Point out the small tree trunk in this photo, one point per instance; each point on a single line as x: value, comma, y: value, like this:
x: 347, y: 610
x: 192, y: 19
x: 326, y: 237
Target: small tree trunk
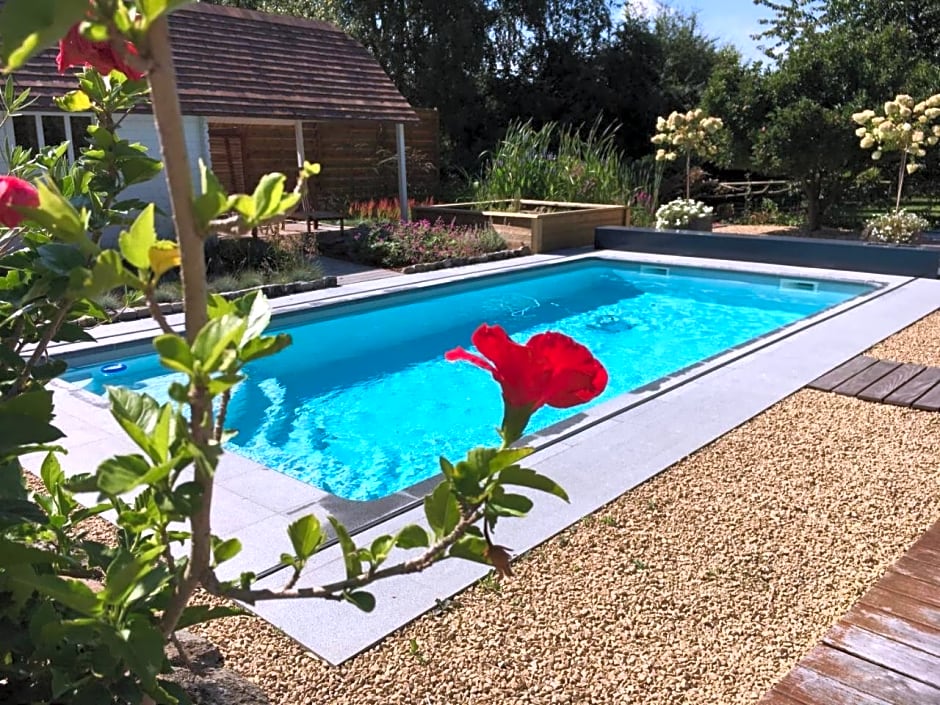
x: 813, y: 206
x: 688, y: 174
x: 897, y: 201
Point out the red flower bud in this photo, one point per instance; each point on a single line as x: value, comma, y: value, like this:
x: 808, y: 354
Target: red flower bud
x: 15, y: 193
x: 550, y: 369
x: 76, y: 50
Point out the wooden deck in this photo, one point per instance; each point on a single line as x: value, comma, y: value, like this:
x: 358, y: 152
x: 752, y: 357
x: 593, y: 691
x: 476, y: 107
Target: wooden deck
x: 877, y: 380
x: 886, y: 650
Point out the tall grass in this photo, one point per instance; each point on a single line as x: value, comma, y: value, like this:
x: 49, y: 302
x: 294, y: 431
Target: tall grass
x: 564, y: 163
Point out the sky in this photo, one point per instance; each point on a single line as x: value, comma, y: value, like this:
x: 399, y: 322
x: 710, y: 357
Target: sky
x: 728, y: 21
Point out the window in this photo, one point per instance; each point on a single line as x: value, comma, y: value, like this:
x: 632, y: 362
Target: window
x: 38, y: 131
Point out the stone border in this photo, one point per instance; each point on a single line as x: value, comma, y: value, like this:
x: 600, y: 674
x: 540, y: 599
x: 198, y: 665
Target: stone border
x: 463, y: 261
x: 272, y: 291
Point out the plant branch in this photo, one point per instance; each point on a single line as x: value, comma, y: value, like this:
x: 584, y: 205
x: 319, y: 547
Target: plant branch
x: 220, y: 417
x: 897, y: 203
x: 169, y: 123
x: 40, y: 350
x: 333, y: 591
x: 155, y: 311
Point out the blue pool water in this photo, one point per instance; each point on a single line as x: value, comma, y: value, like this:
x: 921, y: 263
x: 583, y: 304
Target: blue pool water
x: 363, y: 402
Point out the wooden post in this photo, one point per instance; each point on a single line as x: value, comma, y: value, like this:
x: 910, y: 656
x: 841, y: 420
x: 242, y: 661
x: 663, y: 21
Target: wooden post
x: 299, y: 143
x: 402, y: 171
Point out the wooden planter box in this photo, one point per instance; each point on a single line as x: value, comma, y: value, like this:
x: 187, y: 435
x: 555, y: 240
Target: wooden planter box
x: 542, y: 226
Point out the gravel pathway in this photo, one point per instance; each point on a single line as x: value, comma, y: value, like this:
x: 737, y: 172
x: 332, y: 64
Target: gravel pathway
x: 705, y: 585
x: 918, y: 344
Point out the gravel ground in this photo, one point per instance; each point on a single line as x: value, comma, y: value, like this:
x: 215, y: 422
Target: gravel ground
x: 705, y: 585
x: 918, y: 344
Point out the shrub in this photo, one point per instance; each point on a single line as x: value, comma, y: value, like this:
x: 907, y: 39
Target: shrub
x: 679, y: 213
x: 402, y: 244
x: 897, y: 226
x: 382, y: 209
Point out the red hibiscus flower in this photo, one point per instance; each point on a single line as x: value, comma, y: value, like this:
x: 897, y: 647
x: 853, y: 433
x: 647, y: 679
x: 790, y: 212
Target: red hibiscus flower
x: 551, y: 369
x: 15, y: 193
x: 76, y: 50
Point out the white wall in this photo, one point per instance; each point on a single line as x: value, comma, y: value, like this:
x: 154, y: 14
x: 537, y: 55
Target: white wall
x: 140, y: 128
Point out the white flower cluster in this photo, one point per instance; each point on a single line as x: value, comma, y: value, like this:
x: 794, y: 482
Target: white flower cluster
x: 678, y: 213
x: 693, y: 132
x: 906, y: 126
x: 897, y: 226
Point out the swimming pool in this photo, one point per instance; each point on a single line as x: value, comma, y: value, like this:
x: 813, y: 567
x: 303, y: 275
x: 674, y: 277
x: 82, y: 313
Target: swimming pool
x: 362, y: 403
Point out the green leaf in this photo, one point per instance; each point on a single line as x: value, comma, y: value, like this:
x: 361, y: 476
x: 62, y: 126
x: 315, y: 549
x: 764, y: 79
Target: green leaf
x: 258, y: 348
x: 51, y: 473
x: 259, y: 315
x: 213, y: 200
x: 74, y: 594
x: 24, y: 421
x: 19, y: 511
x: 363, y: 600
x: 122, y: 473
x: 442, y: 510
x: 226, y: 550
x: 508, y: 456
x: 515, y: 505
x: 412, y: 536
x: 136, y: 242
x: 144, y: 653
x: 108, y: 273
x: 31, y: 25
x: 137, y: 415
x: 197, y: 614
x: 267, y: 195
x: 471, y: 548
x: 61, y: 258
x: 74, y: 102
x: 381, y: 548
x: 306, y: 536
x: 215, y: 337
x: 515, y: 475
x: 174, y: 352
x: 60, y: 218
x: 245, y: 207
x: 126, y: 571
x: 350, y: 553
x: 13, y: 553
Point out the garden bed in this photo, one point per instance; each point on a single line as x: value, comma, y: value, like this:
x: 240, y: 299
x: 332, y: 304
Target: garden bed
x: 543, y: 226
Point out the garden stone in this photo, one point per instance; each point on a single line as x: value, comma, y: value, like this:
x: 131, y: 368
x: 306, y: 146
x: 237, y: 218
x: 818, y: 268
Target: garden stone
x: 218, y: 686
x: 199, y: 651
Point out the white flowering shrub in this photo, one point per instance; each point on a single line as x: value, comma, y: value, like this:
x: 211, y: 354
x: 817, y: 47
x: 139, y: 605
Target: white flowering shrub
x: 686, y: 134
x: 679, y: 213
x: 899, y: 227
x: 907, y: 126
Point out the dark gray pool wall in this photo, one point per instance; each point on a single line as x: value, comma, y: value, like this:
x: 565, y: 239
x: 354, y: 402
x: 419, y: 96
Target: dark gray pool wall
x: 798, y: 251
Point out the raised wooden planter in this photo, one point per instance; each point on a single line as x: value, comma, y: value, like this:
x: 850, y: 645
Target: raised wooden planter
x: 542, y: 226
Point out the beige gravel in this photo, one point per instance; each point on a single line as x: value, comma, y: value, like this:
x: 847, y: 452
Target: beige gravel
x: 705, y: 585
x: 918, y: 344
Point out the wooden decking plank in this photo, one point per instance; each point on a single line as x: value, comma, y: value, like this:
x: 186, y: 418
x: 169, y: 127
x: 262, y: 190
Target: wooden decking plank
x: 928, y: 572
x: 913, y: 634
x: 807, y: 686
x: 929, y: 401
x: 918, y: 590
x: 902, y: 606
x: 775, y: 697
x: 866, y: 377
x: 890, y: 382
x: 916, y: 387
x: 833, y: 378
x: 882, y: 651
x: 925, y: 553
x: 868, y: 678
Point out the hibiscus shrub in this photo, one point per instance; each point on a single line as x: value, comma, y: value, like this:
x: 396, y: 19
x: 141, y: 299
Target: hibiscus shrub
x: 85, y: 623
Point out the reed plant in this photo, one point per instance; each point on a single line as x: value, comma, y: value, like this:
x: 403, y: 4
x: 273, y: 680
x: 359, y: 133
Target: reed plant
x: 563, y: 163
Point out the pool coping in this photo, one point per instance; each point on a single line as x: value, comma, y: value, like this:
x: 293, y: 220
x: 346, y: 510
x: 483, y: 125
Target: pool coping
x: 257, y: 504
